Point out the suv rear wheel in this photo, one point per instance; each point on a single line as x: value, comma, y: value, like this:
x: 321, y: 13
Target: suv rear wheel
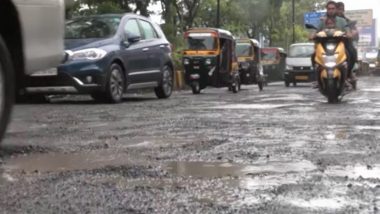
x: 166, y: 87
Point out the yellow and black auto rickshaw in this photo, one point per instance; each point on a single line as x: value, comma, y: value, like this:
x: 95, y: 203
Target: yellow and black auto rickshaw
x: 273, y: 60
x: 210, y: 59
x: 249, y: 58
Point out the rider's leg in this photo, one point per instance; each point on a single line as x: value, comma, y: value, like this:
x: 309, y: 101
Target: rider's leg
x: 352, y: 57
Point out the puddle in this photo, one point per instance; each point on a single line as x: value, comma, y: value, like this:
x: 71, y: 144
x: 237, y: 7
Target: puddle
x: 285, y: 97
x: 141, y: 144
x: 361, y: 101
x: 212, y: 170
x: 266, y: 182
x: 297, y: 144
x: 354, y: 172
x: 153, y: 142
x: 2, y: 179
x: 368, y: 127
x: 20, y: 127
x: 371, y: 90
x: 330, y: 136
x: 66, y: 162
x: 318, y: 203
x: 252, y: 106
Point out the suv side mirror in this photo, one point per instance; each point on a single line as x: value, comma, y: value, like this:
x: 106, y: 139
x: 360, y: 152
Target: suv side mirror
x: 130, y: 38
x: 133, y: 38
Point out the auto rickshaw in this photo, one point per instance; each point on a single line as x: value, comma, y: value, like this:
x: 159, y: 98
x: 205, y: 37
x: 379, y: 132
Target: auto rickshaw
x: 210, y: 59
x: 273, y: 61
x: 249, y: 57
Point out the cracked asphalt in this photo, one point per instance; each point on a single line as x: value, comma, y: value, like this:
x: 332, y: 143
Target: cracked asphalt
x: 282, y: 150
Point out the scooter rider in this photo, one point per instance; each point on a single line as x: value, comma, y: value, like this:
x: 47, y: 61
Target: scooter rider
x: 355, y: 37
x: 332, y: 18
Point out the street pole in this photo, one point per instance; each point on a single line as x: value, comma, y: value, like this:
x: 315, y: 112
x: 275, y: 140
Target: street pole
x: 218, y: 14
x: 293, y: 22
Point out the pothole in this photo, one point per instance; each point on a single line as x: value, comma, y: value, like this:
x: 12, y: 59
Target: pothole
x: 211, y: 170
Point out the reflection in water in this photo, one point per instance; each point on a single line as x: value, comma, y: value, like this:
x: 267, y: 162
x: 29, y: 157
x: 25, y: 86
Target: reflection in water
x: 370, y: 89
x: 368, y: 127
x: 2, y: 179
x: 252, y: 106
x: 318, y: 203
x: 366, y: 172
x: 211, y: 170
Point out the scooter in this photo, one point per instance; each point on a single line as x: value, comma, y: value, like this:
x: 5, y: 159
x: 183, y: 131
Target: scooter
x: 331, y: 64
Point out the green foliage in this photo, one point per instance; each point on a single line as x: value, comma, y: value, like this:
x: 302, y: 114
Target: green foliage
x: 245, y: 18
x: 108, y: 7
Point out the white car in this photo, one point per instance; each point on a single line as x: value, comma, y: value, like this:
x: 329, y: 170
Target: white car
x: 298, y: 64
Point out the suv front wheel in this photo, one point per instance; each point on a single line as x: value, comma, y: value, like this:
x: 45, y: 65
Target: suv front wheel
x: 115, y: 86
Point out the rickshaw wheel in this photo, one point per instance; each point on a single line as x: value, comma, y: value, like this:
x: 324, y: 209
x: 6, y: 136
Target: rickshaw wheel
x: 196, y: 88
x: 235, y: 85
x: 261, y: 85
x: 235, y: 88
x: 287, y: 83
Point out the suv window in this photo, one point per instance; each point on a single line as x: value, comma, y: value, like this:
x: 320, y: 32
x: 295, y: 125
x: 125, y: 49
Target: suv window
x: 132, y: 27
x: 148, y: 30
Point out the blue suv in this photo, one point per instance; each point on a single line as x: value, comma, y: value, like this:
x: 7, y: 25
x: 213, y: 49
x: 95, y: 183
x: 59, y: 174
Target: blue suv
x: 108, y: 55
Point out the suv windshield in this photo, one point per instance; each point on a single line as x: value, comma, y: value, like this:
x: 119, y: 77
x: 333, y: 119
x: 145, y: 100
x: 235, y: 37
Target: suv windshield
x: 92, y: 27
x: 243, y: 49
x: 201, y: 41
x: 301, y: 51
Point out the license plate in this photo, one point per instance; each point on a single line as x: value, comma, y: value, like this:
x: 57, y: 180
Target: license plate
x: 48, y: 72
x: 196, y: 67
x: 301, y: 77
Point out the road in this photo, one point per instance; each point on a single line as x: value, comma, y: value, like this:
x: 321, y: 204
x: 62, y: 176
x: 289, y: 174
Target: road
x: 282, y: 150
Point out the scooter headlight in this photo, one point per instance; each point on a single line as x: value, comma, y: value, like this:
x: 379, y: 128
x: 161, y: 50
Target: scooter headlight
x: 330, y: 61
x: 330, y: 46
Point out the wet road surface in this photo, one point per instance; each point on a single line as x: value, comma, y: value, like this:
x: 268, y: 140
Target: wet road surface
x: 282, y: 150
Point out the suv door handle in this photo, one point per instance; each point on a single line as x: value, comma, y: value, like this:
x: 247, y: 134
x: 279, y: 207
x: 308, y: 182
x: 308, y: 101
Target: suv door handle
x: 162, y: 46
x: 145, y: 49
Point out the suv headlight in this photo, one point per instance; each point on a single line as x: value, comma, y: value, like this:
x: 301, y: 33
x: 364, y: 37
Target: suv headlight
x: 88, y: 54
x: 288, y: 67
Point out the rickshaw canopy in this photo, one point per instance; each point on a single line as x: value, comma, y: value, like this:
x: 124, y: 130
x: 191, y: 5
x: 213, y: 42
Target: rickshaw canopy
x: 220, y: 33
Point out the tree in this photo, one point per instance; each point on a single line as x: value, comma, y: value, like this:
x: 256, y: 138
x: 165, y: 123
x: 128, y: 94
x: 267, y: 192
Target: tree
x: 245, y: 18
